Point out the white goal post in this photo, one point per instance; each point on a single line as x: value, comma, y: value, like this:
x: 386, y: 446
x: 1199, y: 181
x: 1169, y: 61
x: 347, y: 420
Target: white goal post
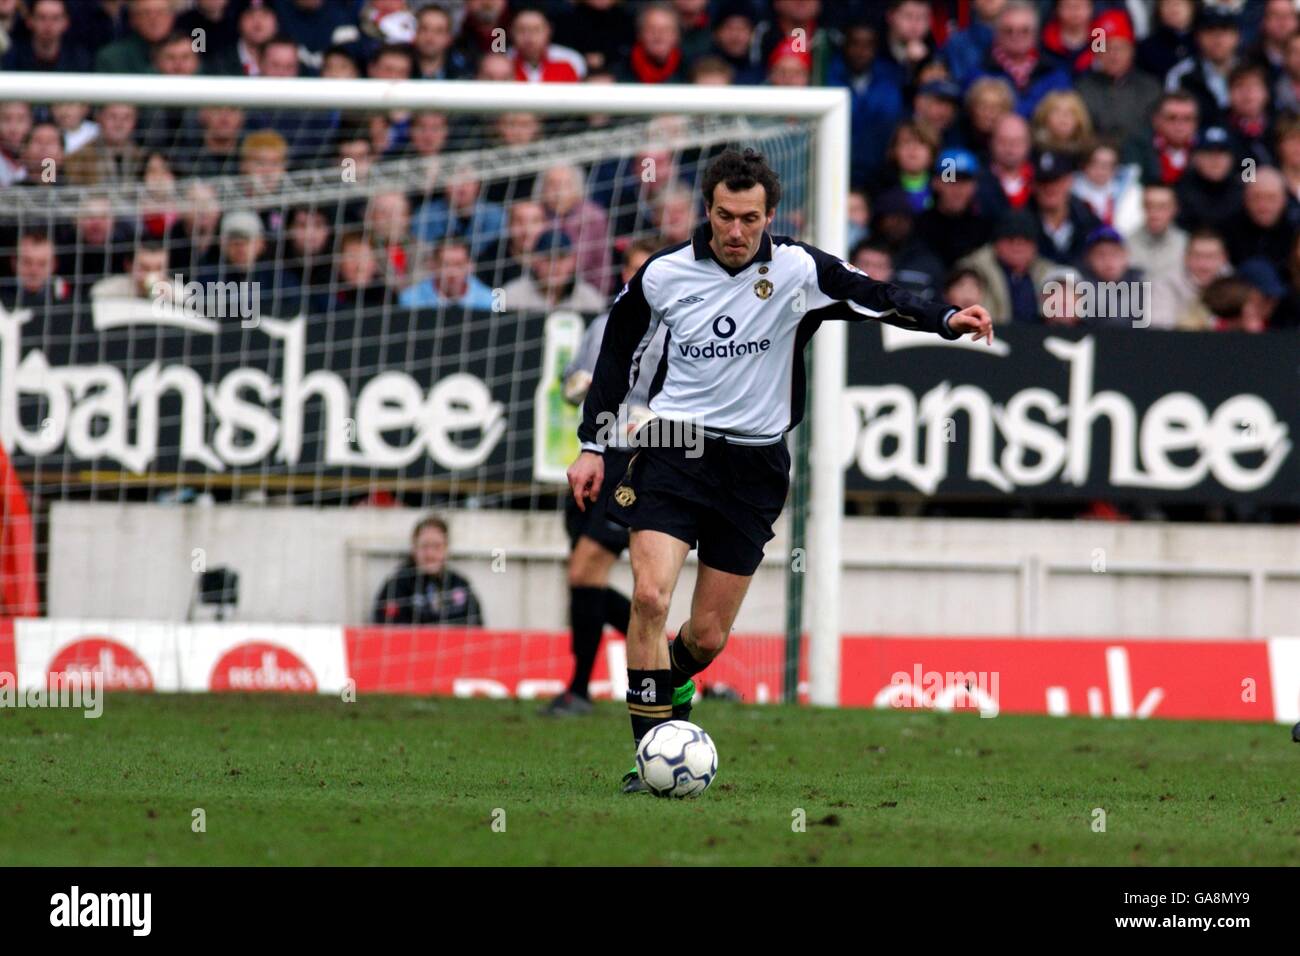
x: 827, y: 110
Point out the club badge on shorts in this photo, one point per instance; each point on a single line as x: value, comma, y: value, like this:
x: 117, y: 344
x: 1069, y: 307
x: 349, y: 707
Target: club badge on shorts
x: 624, y: 496
x: 763, y: 289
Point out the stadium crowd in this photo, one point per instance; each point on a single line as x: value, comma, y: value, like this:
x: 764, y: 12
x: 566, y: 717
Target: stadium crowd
x: 997, y: 145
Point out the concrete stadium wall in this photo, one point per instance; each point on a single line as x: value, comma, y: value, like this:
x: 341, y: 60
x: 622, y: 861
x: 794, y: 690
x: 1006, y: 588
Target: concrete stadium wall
x: 903, y: 575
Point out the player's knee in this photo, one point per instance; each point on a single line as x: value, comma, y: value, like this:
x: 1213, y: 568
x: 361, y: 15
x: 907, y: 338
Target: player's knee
x: 708, y: 638
x: 650, y: 602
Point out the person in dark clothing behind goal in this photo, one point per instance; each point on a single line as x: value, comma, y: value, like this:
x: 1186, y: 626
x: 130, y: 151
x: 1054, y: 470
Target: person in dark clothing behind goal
x: 595, y: 542
x: 424, y: 590
x: 739, y: 306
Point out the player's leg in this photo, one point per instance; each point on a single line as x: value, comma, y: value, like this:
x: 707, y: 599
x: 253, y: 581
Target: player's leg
x: 657, y: 560
x: 714, y: 606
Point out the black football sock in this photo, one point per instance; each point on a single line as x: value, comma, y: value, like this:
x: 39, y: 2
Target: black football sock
x: 618, y: 610
x: 587, y: 620
x: 682, y: 662
x: 649, y: 700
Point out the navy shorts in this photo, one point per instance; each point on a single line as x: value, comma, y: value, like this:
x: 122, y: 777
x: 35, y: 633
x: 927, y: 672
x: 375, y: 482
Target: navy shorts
x: 595, y: 522
x: 722, y: 502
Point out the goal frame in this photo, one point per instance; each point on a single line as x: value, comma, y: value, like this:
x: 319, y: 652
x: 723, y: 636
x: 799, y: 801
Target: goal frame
x: 827, y: 109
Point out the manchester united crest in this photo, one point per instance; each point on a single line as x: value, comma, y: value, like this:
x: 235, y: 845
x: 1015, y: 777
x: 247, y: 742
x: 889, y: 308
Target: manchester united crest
x: 763, y: 289
x: 624, y: 496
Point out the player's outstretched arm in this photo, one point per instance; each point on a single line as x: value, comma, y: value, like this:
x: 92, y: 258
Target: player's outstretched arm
x: 974, y: 319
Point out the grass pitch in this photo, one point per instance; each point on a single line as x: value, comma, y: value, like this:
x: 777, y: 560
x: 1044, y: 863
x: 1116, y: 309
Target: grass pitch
x: 291, y: 780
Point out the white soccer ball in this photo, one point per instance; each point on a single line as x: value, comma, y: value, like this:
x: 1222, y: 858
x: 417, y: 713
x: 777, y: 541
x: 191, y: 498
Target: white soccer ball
x: 677, y: 759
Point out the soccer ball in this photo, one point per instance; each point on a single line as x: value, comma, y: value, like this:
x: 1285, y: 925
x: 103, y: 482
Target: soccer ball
x: 677, y: 759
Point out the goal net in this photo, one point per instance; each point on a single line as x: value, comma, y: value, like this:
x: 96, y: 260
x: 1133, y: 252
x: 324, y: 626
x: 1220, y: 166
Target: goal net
x: 245, y: 349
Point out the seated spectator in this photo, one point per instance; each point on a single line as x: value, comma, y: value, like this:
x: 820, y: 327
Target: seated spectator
x: 193, y: 236
x: 551, y: 281
x: 92, y: 242
x: 307, y: 132
x: 963, y: 288
x: 15, y: 125
x: 495, y: 68
x: 1227, y: 303
x: 875, y: 99
x: 916, y: 268
x: 160, y: 127
x: 536, y: 58
x: 217, y: 153
x: 1064, y: 220
x: 1266, y: 293
x: 1164, y: 155
x: 787, y: 17
x: 1204, y: 74
x: 1158, y: 247
x: 1287, y: 146
x: 562, y: 192
x: 1287, y: 315
x: 388, y: 224
x: 1248, y: 118
x: 1210, y: 192
x: 435, y: 59
x: 46, y: 46
x: 427, y: 134
x: 151, y: 22
x: 733, y: 41
x: 358, y: 282
x: 258, y: 24
x: 1067, y: 36
x: 1014, y: 57
x: 460, y: 213
x: 1177, y: 298
x: 508, y: 257
x: 43, y: 156
x: 452, y: 281
x: 908, y: 164
x: 987, y: 101
x: 114, y: 156
x: 308, y: 253
x: 1105, y: 260
x: 673, y: 216
x: 314, y: 25
x: 217, y: 19
x: 1119, y: 97
x: 873, y: 257
x: 1109, y: 190
x: 79, y: 133
x: 859, y: 216
x: 953, y: 227
x: 656, y: 55
x: 600, y: 31
x: 1170, y: 40
x: 693, y: 22
x: 789, y: 65
x: 1007, y: 183
x: 243, y: 243
x: 33, y: 282
x: 146, y: 277
x: 338, y: 63
x: 1264, y: 227
x: 1011, y: 269
x: 936, y: 110
x: 1061, y: 124
x: 424, y: 590
x: 1279, y: 22
x: 1286, y: 89
x: 709, y: 71
x: 907, y: 44
x: 483, y: 24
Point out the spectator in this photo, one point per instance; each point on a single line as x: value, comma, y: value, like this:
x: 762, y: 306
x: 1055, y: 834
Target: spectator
x: 308, y: 253
x: 656, y: 55
x: 1178, y: 297
x: 1064, y: 220
x: 74, y: 122
x: 963, y: 288
x: 1067, y: 36
x: 674, y: 214
x: 1111, y: 191
x: 46, y: 46
x: 452, y: 281
x: 935, y: 110
x: 1105, y: 260
x: 358, y: 282
x: 1263, y: 227
x: 160, y: 127
x: 1011, y: 269
x: 733, y: 41
x: 1286, y: 138
x: 859, y: 216
x: 966, y: 50
x: 1266, y: 292
x: 258, y: 25
x: 34, y: 282
x: 602, y: 31
x: 1164, y: 156
x: 1061, y: 124
x: 508, y: 257
x: 91, y: 243
x: 787, y: 17
x: 1226, y: 302
x: 43, y: 156
x: 1211, y: 191
x: 217, y: 154
x: 428, y: 134
x: 1205, y: 74
x: 551, y: 281
x: 916, y: 268
x: 693, y: 22
x: 1119, y: 97
x: 910, y: 159
x: 434, y: 57
x: 1287, y: 315
x: 388, y: 226
x: 495, y: 68
x: 116, y: 156
x: 146, y: 277
x: 15, y: 126
x: 536, y: 58
x: 875, y: 98
x: 243, y: 244
x: 96, y: 25
x: 1170, y: 41
x: 874, y: 258
x: 1286, y: 88
x: 952, y: 227
x: 314, y: 24
x: 987, y: 101
x: 337, y: 63
x: 1014, y: 57
x: 1008, y: 181
x: 1158, y: 247
x: 1278, y: 26
x: 707, y: 71
x: 263, y: 162
x: 151, y: 22
x: 562, y: 192
x: 461, y: 213
x: 424, y: 591
x: 193, y: 237
x: 907, y: 41
x: 1058, y: 300
x: 1248, y: 117
x: 217, y: 21
x: 479, y: 29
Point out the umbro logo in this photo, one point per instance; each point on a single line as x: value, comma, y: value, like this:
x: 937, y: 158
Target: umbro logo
x: 690, y: 300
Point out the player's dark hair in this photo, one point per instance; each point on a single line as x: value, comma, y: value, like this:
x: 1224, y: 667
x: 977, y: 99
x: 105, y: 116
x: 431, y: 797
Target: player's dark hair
x: 739, y: 171
x: 433, y: 521
x: 647, y: 244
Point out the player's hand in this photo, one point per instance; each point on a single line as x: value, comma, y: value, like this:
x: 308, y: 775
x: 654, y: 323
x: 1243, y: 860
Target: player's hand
x: 974, y: 319
x: 586, y: 475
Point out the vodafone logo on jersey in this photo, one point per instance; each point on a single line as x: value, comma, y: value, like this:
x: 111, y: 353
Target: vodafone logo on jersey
x: 258, y: 666
x: 118, y: 666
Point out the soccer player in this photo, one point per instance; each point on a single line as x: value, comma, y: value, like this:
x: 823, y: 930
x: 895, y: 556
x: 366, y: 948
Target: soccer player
x: 739, y: 305
x: 595, y: 542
